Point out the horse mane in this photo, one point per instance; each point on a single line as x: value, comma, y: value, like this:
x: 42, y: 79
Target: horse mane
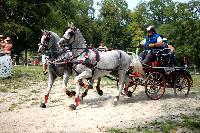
x: 54, y: 42
x: 78, y: 43
x: 54, y: 37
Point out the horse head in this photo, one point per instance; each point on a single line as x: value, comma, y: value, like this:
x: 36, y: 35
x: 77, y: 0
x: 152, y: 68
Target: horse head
x: 73, y: 39
x: 44, y: 43
x: 48, y: 42
x: 68, y: 37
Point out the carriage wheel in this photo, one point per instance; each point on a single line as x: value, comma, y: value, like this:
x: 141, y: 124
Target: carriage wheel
x: 182, y: 86
x: 130, y: 87
x: 155, y: 85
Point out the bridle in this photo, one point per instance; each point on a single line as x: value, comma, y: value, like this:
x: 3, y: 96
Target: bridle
x: 66, y: 41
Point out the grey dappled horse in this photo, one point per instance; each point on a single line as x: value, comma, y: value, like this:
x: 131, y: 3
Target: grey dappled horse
x: 115, y: 62
x: 56, y: 62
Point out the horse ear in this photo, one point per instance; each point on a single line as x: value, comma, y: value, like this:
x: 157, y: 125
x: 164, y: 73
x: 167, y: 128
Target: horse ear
x: 68, y: 24
x: 72, y: 25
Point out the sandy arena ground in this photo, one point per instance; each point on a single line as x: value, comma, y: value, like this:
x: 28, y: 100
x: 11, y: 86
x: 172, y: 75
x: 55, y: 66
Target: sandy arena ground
x: 20, y: 111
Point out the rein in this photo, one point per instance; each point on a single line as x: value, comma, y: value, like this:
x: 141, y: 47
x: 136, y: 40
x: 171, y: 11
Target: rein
x: 80, y: 61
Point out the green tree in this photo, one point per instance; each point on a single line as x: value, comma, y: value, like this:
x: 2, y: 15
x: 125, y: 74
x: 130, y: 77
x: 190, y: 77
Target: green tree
x: 22, y: 20
x: 114, y: 15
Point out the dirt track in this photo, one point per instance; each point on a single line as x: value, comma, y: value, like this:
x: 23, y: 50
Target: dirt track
x: 20, y: 111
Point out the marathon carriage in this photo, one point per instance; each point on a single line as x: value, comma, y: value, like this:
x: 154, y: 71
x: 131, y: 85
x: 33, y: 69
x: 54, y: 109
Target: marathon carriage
x: 159, y: 75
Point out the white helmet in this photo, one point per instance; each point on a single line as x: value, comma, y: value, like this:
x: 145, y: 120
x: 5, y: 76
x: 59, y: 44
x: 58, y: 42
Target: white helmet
x: 151, y: 28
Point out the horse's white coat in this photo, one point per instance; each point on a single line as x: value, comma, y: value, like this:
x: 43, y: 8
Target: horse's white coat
x: 55, y: 69
x: 115, y: 60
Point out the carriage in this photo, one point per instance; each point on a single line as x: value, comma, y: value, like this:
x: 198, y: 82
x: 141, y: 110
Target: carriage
x: 159, y: 75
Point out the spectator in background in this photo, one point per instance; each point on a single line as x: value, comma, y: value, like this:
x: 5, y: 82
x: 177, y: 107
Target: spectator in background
x: 102, y: 47
x: 5, y: 58
x: 186, y: 61
x: 7, y: 46
x: 44, y: 64
x: 1, y: 43
x: 171, y: 53
x: 91, y: 46
x: 1, y: 39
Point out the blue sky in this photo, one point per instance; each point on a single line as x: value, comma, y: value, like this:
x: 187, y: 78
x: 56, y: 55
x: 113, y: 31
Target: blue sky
x: 131, y: 4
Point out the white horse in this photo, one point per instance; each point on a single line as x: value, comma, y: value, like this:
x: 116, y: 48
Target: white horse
x: 57, y: 65
x: 115, y: 62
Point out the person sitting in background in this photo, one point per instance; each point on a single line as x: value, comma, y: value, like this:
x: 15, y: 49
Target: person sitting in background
x: 1, y: 39
x: 102, y: 47
x: 171, y: 53
x: 186, y: 61
x: 7, y: 46
x: 91, y: 46
x: 1, y: 42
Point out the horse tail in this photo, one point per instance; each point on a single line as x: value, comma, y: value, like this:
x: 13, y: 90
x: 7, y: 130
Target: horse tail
x: 136, y: 64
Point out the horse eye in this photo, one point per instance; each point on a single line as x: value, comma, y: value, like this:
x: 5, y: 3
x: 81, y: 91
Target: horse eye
x: 71, y: 33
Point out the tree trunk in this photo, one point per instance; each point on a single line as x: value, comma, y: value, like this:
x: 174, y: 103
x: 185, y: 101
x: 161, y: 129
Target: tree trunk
x: 25, y: 57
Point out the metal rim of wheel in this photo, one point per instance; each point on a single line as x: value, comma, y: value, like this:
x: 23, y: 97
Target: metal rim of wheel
x: 155, y: 85
x: 182, y: 86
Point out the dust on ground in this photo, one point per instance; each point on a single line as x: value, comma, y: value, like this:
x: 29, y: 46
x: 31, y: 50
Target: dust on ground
x: 20, y: 111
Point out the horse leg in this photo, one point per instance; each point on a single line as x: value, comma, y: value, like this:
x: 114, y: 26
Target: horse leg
x: 65, y: 82
x: 86, y: 86
x: 100, y: 92
x: 83, y: 75
x: 48, y: 90
x: 126, y: 86
x: 122, y: 77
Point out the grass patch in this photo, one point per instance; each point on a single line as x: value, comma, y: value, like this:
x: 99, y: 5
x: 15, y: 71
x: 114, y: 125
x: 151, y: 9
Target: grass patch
x: 115, y: 130
x: 196, y: 83
x: 184, y: 124
x: 35, y: 103
x: 3, y: 89
x: 191, y: 122
x: 12, y: 107
x: 34, y: 91
x: 187, y: 123
x: 21, y: 78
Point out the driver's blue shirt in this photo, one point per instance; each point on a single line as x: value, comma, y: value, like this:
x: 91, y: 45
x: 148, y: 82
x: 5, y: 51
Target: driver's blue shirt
x: 153, y: 39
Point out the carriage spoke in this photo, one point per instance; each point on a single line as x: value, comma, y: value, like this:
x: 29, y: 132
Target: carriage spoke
x: 155, y: 85
x: 182, y: 86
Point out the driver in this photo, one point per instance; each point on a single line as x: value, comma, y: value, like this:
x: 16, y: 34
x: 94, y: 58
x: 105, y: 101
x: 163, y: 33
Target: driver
x: 153, y: 41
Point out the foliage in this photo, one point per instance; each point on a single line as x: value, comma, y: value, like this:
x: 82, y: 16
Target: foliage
x: 116, y: 25
x: 115, y: 18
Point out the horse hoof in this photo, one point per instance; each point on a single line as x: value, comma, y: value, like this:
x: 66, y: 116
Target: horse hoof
x: 43, y: 105
x: 100, y: 92
x: 129, y: 94
x: 72, y: 107
x: 114, y: 103
x: 73, y: 93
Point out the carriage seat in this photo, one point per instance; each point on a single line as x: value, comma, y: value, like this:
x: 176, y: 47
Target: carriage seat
x: 163, y: 56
